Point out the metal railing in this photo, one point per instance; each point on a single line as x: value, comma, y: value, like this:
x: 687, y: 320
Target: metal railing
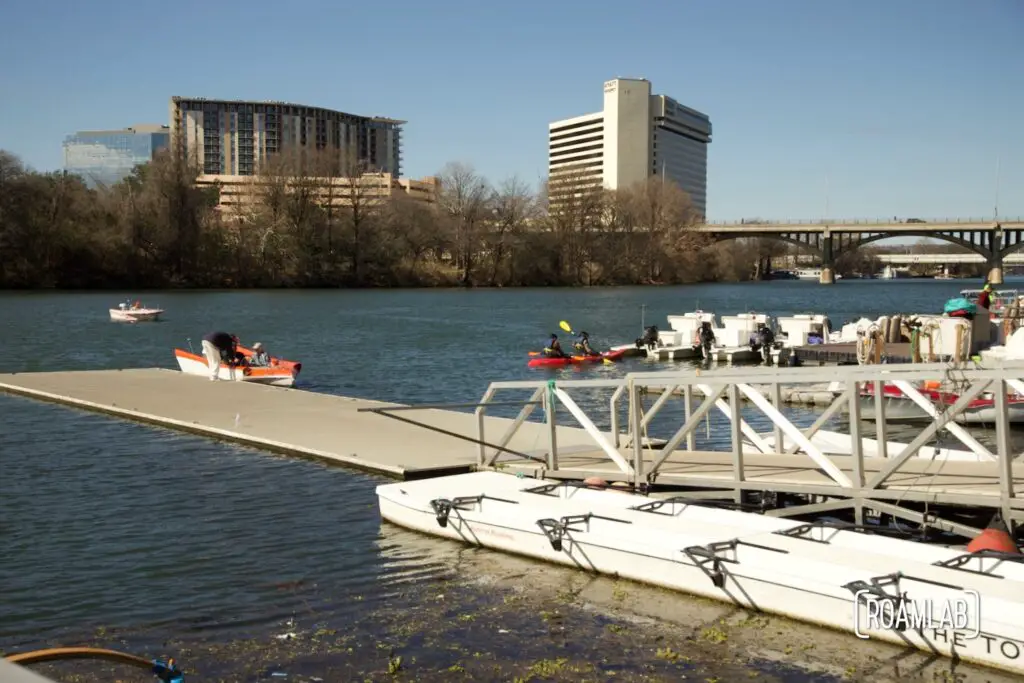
x: 855, y: 480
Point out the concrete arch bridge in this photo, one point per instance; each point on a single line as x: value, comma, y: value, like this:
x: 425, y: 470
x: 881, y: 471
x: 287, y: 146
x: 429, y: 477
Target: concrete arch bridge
x: 993, y: 239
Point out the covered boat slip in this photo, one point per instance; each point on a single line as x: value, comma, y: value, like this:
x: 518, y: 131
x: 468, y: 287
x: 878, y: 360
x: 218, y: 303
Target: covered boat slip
x: 887, y: 481
x: 755, y: 562
x: 289, y: 421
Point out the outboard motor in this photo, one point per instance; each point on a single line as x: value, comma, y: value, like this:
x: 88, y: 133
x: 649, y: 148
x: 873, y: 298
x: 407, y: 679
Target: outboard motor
x: 649, y: 338
x: 766, y: 340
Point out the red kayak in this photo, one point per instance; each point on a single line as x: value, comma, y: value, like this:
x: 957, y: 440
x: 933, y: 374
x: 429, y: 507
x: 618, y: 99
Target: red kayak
x: 546, y: 362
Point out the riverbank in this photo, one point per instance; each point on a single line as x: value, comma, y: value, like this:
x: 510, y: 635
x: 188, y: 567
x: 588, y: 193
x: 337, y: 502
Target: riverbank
x: 480, y: 621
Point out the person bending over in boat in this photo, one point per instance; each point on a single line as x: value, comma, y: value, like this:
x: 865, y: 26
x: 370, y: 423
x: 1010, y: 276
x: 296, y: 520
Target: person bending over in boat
x: 583, y: 345
x: 260, y: 357
x: 217, y: 347
x: 554, y: 349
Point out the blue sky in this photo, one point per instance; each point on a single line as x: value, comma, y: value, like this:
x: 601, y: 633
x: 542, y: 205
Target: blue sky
x: 896, y: 107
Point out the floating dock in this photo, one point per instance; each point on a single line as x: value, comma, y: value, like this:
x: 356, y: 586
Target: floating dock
x: 289, y: 421
x: 845, y: 353
x: 414, y: 442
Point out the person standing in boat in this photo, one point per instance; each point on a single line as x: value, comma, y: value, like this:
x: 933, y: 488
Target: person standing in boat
x: 554, y: 348
x: 985, y: 298
x: 705, y: 339
x: 218, y: 346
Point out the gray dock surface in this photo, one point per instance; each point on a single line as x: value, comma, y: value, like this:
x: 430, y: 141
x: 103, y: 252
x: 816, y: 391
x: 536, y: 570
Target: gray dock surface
x: 288, y: 421
x: 920, y: 480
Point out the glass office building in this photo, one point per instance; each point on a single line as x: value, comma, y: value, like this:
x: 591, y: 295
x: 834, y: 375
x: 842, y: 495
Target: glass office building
x: 104, y: 157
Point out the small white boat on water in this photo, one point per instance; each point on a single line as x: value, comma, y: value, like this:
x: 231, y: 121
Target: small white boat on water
x: 128, y: 312
x: 279, y: 373
x: 803, y: 329
x: 812, y: 274
x: 884, y: 588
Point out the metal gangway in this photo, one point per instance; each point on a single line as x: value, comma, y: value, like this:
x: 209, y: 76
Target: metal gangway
x: 905, y: 480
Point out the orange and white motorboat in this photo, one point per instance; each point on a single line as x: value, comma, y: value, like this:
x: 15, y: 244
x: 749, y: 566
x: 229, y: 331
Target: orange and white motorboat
x: 281, y: 373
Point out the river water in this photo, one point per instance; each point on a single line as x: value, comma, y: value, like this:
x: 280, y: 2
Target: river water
x: 249, y: 566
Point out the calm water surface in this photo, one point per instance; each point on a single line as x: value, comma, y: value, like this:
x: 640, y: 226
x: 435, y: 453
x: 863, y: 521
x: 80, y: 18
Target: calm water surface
x: 106, y: 524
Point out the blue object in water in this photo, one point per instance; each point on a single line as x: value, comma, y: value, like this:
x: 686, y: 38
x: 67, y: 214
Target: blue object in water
x: 960, y: 304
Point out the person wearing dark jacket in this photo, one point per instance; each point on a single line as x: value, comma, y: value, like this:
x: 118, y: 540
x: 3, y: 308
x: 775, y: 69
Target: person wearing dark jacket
x: 218, y: 346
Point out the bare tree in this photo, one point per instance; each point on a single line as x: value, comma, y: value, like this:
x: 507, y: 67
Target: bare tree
x: 577, y: 206
x: 513, y: 208
x: 661, y: 217
x: 464, y: 198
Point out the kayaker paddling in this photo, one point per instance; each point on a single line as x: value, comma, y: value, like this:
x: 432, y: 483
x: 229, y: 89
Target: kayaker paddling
x: 583, y: 345
x: 554, y: 348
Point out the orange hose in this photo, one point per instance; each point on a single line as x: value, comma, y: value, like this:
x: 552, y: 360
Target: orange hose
x: 55, y: 653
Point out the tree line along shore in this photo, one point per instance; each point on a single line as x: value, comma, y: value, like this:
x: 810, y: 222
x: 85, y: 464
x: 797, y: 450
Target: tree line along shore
x: 298, y: 227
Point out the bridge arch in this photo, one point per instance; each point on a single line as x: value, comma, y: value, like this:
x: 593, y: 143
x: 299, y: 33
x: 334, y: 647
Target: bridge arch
x: 857, y: 244
x: 813, y: 246
x: 1012, y: 249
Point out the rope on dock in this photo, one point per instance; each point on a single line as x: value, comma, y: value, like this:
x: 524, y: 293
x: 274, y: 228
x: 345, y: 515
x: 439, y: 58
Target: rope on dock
x: 871, y: 344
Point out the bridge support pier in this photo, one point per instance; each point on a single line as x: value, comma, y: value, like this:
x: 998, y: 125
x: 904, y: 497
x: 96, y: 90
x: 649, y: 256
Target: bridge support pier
x: 995, y: 274
x: 995, y: 249
x: 828, y: 276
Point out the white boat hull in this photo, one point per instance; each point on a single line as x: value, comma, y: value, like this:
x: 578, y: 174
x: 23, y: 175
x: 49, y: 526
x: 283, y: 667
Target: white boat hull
x: 797, y: 577
x: 199, y: 368
x: 837, y: 443
x: 136, y: 315
x: 902, y: 409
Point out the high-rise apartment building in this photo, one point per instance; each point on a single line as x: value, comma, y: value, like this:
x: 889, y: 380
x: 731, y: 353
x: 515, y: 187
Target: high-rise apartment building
x: 637, y: 135
x: 229, y: 137
x: 104, y: 157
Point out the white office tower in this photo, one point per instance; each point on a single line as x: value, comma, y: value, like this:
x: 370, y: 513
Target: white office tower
x: 637, y: 135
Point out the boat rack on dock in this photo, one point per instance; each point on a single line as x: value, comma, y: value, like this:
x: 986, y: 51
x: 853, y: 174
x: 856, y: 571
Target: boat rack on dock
x: 916, y: 482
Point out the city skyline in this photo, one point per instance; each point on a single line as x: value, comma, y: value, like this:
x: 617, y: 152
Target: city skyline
x: 852, y: 110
